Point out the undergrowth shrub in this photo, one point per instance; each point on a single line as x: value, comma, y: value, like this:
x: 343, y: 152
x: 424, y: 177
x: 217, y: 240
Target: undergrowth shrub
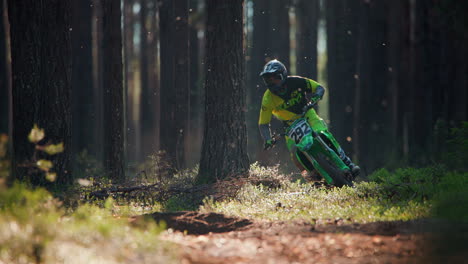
x: 447, y: 190
x: 445, y: 184
x: 155, y: 169
x: 457, y: 148
x: 366, y: 202
x: 299, y: 201
x: 451, y: 198
x: 267, y: 176
x: 27, y: 220
x: 409, y: 183
x: 36, y: 228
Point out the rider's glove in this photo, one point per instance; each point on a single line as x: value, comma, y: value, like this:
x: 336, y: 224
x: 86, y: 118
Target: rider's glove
x: 269, y: 144
x: 316, y: 96
x: 313, y: 97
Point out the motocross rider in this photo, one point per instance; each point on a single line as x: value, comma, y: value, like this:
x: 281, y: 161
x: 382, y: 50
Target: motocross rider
x: 286, y: 98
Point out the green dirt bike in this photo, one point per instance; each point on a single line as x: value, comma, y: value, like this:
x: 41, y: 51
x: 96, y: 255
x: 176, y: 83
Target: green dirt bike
x: 316, y: 151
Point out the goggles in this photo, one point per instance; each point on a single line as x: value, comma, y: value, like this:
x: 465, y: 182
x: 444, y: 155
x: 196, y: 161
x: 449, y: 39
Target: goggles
x: 271, y: 79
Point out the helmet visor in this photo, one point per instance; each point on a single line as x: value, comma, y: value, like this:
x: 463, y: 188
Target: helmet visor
x: 271, y: 79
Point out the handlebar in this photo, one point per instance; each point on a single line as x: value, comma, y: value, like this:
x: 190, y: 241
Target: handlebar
x: 307, y: 107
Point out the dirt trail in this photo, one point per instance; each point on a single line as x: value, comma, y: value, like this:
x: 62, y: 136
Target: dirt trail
x: 215, y: 238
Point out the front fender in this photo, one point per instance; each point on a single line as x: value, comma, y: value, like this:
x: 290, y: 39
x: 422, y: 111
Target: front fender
x: 306, y: 143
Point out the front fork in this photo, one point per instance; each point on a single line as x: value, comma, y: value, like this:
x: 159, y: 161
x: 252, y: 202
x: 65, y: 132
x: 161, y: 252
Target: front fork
x: 330, y: 154
x: 335, y: 156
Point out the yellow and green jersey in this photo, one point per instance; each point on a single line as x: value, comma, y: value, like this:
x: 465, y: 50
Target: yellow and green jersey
x: 288, y: 105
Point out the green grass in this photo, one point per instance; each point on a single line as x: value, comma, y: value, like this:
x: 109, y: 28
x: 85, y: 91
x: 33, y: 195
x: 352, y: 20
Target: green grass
x: 404, y: 194
x: 35, y: 228
x: 298, y: 201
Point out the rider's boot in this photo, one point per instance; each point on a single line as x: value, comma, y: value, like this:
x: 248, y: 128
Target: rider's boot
x: 355, y: 170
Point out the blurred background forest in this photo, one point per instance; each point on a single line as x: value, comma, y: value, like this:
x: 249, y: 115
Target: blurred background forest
x: 396, y: 74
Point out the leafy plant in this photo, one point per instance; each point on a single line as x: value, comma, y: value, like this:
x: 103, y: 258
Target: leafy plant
x: 36, y: 136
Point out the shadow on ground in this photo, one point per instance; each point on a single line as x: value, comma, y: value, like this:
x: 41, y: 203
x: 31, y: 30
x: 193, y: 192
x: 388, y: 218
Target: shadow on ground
x: 216, y: 238
x: 194, y: 223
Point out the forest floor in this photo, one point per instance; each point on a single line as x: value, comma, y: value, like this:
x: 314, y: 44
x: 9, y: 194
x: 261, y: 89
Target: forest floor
x: 267, y: 217
x: 216, y: 238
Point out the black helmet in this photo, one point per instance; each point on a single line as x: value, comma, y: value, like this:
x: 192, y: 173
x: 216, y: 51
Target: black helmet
x: 276, y: 68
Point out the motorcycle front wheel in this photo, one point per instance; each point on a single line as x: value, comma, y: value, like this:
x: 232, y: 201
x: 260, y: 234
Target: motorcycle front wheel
x: 340, y: 178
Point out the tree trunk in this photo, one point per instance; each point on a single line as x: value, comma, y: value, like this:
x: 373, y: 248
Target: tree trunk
x: 279, y: 45
x: 362, y: 84
x: 224, y: 150
x: 307, y: 13
x: 270, y: 41
x: 168, y: 97
x: 132, y: 105
x: 4, y: 75
x: 98, y: 98
x: 182, y: 80
x: 196, y: 83
x: 82, y: 79
x: 153, y: 76
x: 398, y: 18
x: 114, y: 157
x: 416, y: 35
x: 455, y: 39
x: 41, y: 68
x: 175, y: 92
x: 376, y: 107
x: 342, y: 29
x: 278, y: 29
x: 148, y: 90
x: 145, y: 122
x: 421, y: 82
x: 449, y: 41
x: 255, y: 85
